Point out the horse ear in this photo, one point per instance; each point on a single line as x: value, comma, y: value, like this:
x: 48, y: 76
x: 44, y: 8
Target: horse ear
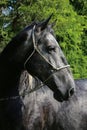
x: 50, y: 26
x: 53, y: 24
x: 42, y: 25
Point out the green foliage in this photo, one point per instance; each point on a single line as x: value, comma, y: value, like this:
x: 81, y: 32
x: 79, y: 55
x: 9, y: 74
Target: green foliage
x: 80, y: 6
x: 71, y: 26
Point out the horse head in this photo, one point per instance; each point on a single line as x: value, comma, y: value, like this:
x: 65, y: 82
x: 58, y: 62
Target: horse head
x: 48, y: 63
x: 36, y: 50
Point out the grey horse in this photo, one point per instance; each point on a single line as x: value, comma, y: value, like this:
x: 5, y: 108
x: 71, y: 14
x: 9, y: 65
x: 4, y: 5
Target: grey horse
x: 36, y: 50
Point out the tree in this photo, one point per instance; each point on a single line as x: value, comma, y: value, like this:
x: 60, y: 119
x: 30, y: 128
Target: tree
x: 71, y: 26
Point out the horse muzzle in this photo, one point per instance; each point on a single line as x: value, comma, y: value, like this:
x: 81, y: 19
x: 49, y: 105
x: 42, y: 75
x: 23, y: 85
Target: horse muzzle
x: 59, y: 96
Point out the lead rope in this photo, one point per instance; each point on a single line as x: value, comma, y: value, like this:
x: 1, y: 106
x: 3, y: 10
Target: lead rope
x: 30, y: 91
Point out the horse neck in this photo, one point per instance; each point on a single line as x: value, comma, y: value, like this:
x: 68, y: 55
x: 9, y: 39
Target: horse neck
x: 11, y: 65
x: 9, y: 79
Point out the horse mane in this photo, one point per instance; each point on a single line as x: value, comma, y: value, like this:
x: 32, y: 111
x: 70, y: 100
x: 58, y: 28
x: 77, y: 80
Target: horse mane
x: 16, y: 40
x: 28, y: 83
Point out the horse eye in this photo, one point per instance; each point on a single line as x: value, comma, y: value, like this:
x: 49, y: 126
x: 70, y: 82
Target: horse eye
x: 51, y: 48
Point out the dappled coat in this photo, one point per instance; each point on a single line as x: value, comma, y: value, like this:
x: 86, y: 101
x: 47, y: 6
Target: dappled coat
x: 45, y: 113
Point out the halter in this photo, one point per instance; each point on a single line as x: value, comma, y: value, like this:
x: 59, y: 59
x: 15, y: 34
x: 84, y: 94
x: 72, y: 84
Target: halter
x: 30, y: 56
x: 36, y: 49
x: 53, y: 67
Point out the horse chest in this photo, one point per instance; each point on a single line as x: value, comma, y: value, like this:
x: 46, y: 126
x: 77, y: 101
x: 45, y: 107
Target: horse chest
x: 11, y: 115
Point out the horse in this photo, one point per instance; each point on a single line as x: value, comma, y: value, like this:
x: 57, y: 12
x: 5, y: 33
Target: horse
x: 45, y: 113
x: 36, y: 50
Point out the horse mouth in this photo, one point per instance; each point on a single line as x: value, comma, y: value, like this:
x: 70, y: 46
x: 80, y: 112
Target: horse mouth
x: 59, y: 97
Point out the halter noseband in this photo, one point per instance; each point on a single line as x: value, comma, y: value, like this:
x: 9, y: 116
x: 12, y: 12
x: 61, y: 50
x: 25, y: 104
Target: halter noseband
x: 36, y: 49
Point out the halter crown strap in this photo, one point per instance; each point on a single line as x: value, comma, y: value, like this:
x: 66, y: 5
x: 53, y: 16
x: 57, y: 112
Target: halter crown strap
x: 33, y: 50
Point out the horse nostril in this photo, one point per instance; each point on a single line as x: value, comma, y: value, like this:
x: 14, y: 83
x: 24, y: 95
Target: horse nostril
x: 71, y: 92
